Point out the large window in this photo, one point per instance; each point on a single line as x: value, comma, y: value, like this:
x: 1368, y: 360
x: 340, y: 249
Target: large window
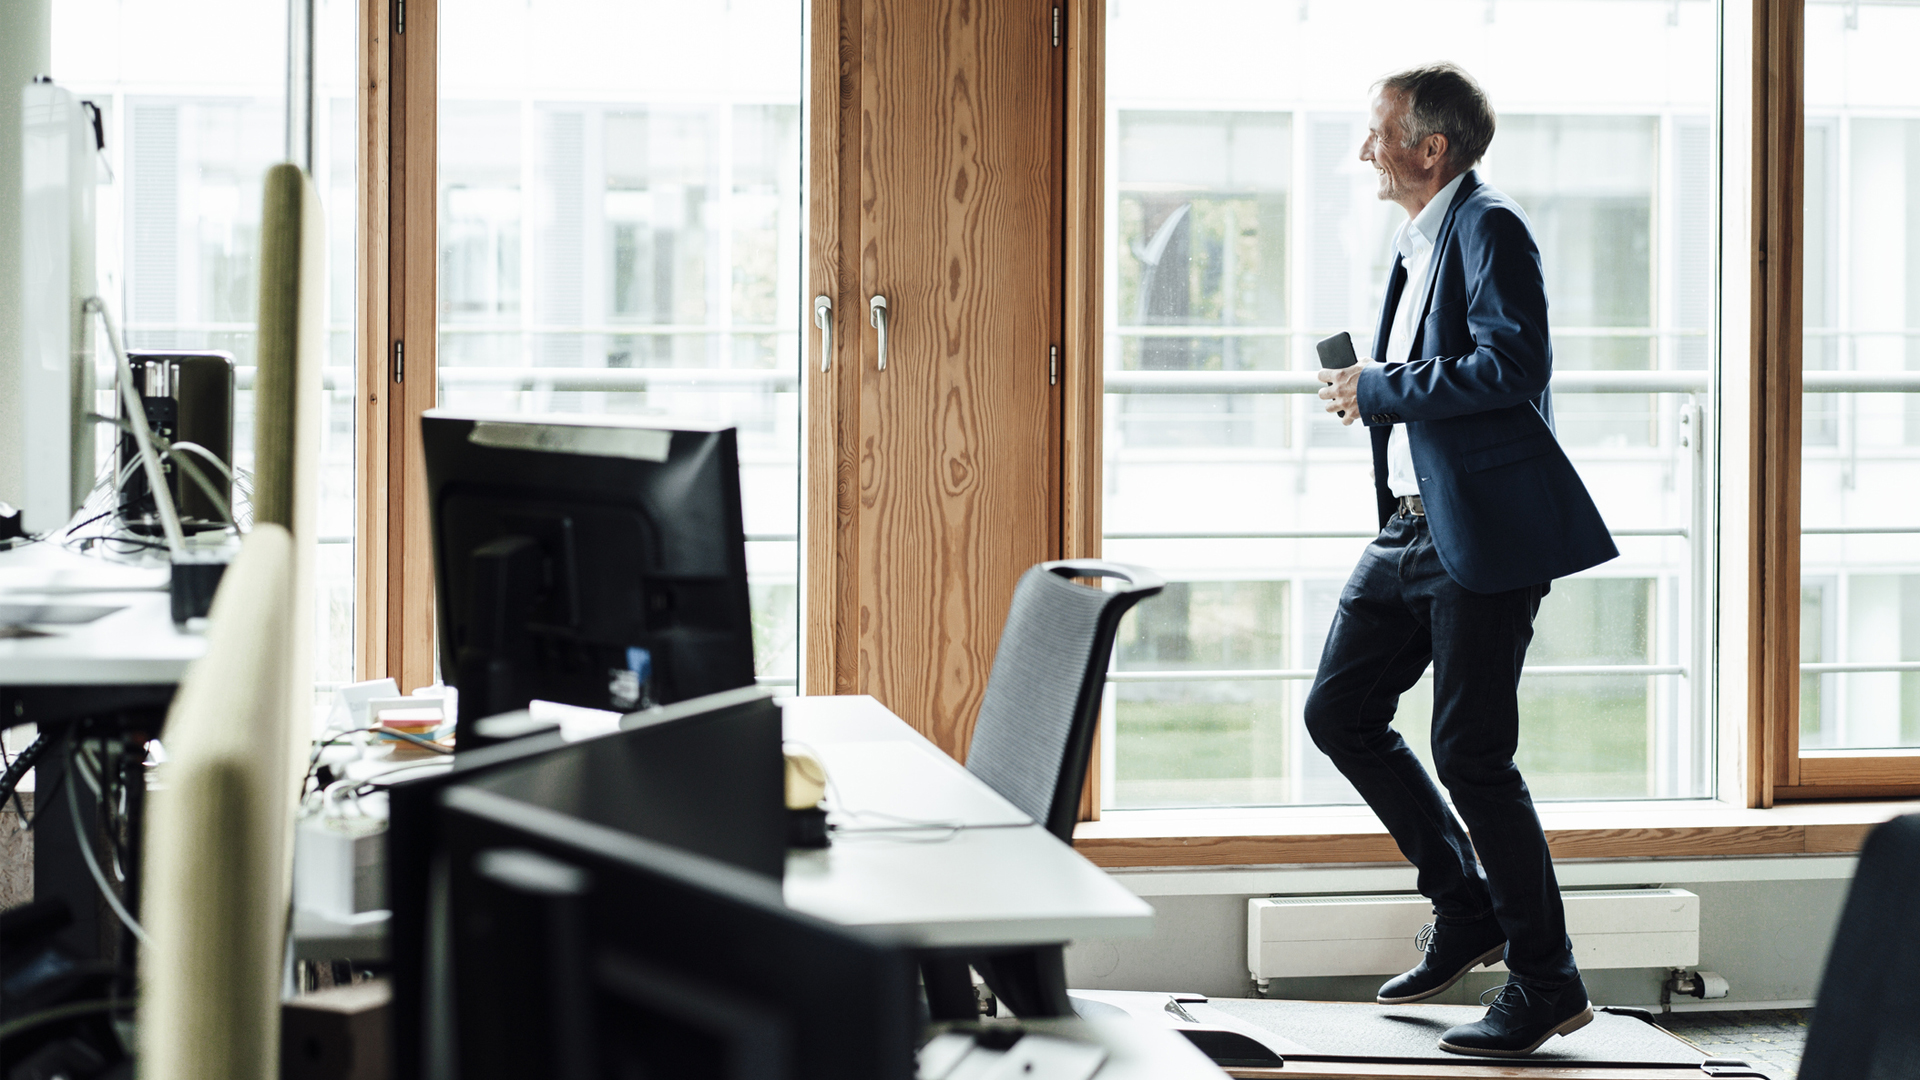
x: 620, y: 231
x: 1242, y: 227
x: 193, y: 100
x: 1860, y: 428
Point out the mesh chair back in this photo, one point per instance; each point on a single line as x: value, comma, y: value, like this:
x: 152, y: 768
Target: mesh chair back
x: 1034, y: 734
x: 1864, y: 1028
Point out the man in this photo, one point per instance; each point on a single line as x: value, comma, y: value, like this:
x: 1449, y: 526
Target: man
x: 1479, y: 511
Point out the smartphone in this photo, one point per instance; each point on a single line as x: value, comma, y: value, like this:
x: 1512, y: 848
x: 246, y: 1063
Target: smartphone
x: 1337, y: 352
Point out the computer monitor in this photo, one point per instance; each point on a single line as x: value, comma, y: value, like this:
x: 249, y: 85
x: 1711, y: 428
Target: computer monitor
x: 704, y: 776
x: 580, y: 951
x: 595, y: 561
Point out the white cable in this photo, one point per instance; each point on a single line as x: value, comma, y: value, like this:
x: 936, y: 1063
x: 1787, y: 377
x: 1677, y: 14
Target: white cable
x: 179, y: 449
x: 390, y: 777
x: 82, y: 837
x: 92, y: 784
x: 195, y: 448
x: 142, y: 435
x: 327, y: 796
x: 194, y: 474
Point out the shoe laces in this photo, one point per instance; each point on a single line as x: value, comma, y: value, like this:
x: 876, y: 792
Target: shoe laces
x: 1424, y: 939
x: 1498, y: 999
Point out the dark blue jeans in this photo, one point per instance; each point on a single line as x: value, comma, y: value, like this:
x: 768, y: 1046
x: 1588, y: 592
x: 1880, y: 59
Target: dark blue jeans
x: 1401, y: 611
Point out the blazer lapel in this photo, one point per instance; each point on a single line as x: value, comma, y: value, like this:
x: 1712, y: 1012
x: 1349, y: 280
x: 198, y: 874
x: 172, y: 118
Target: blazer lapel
x: 1470, y: 182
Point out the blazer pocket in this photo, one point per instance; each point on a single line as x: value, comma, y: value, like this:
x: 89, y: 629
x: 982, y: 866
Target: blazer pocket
x: 1506, y: 453
x: 1446, y: 310
x: 1443, y: 329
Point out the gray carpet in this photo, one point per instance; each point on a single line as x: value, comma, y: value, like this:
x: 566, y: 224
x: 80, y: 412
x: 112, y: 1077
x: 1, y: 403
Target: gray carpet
x: 1348, y: 1029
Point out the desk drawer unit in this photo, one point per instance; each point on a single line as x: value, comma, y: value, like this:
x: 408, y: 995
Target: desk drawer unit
x: 1298, y: 936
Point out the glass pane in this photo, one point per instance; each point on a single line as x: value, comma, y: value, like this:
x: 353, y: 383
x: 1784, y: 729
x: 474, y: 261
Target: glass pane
x: 1242, y: 227
x: 179, y: 217
x: 1860, y: 567
x: 627, y: 202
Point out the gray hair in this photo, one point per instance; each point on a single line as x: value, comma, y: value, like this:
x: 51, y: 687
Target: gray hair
x: 1442, y: 99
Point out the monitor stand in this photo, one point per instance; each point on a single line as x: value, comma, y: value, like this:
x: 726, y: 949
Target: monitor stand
x: 507, y: 583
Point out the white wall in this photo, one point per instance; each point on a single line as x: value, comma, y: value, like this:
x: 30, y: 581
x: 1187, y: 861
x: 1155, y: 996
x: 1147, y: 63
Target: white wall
x: 25, y: 36
x: 1769, y: 938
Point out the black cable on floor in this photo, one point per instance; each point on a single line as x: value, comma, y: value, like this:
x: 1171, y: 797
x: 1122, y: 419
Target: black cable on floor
x: 17, y: 769
x: 60, y: 1012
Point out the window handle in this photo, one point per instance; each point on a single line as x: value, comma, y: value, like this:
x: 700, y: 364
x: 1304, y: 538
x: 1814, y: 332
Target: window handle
x: 877, y: 317
x: 823, y: 318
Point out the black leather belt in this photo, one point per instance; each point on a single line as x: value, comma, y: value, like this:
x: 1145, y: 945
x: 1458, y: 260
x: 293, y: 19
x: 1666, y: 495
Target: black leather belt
x: 1411, y: 504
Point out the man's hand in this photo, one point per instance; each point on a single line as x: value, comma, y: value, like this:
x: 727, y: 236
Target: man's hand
x: 1342, y: 390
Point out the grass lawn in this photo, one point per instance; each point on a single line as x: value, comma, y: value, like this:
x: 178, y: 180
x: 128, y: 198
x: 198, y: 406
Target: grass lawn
x: 1580, y: 738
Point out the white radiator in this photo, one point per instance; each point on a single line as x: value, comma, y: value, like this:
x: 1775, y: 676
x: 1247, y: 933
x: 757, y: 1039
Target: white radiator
x: 1296, y: 936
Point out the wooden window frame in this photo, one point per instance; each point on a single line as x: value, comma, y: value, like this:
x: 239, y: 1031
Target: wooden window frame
x: 1778, y: 770
x: 397, y: 335
x: 1082, y: 420
x: 1761, y: 762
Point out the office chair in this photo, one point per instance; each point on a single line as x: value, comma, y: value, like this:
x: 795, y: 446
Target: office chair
x: 1863, y: 1020
x: 1032, y: 742
x: 1035, y: 730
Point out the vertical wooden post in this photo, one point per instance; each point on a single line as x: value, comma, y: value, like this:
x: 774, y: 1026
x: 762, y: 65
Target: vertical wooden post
x: 1776, y: 273
x: 833, y: 396
x: 398, y: 325
x: 1082, y: 374
x: 414, y: 273
x: 371, y: 337
x: 1081, y: 363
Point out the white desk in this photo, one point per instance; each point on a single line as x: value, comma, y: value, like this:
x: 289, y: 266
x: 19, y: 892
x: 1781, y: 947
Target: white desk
x: 122, y: 665
x: 882, y: 770
x: 1001, y: 880
x: 135, y: 645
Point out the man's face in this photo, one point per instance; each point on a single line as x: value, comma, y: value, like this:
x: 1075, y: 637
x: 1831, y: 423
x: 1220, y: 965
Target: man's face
x: 1403, y: 170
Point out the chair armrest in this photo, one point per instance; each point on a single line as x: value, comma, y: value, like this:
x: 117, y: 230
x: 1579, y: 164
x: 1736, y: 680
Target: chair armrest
x: 1137, y: 578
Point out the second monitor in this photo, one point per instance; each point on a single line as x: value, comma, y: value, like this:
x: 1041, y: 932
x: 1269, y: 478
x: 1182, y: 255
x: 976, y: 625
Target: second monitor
x: 592, y: 561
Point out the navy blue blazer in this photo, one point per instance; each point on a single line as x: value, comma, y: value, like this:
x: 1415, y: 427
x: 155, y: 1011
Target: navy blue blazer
x: 1504, y: 504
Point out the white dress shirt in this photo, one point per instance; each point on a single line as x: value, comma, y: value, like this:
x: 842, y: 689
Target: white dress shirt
x: 1414, y: 244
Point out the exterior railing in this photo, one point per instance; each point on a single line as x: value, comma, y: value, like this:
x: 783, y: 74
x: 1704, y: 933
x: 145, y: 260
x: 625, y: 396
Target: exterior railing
x: 1302, y: 674
x: 1127, y: 383
x: 786, y: 381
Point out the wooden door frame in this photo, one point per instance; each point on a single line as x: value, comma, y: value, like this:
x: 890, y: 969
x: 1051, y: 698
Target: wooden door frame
x: 397, y: 306
x: 830, y: 603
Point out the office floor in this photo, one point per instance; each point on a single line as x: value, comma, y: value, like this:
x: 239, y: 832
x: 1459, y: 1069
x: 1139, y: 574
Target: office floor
x: 1772, y: 1039
x: 16, y: 854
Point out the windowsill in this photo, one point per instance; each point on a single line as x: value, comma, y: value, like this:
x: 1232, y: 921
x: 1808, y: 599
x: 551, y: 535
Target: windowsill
x: 1351, y: 834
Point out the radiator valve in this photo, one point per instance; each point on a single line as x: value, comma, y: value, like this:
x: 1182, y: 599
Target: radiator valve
x: 1699, y: 984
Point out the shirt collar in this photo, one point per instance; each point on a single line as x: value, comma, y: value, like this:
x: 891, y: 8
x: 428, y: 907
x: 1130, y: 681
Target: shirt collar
x: 1423, y: 229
